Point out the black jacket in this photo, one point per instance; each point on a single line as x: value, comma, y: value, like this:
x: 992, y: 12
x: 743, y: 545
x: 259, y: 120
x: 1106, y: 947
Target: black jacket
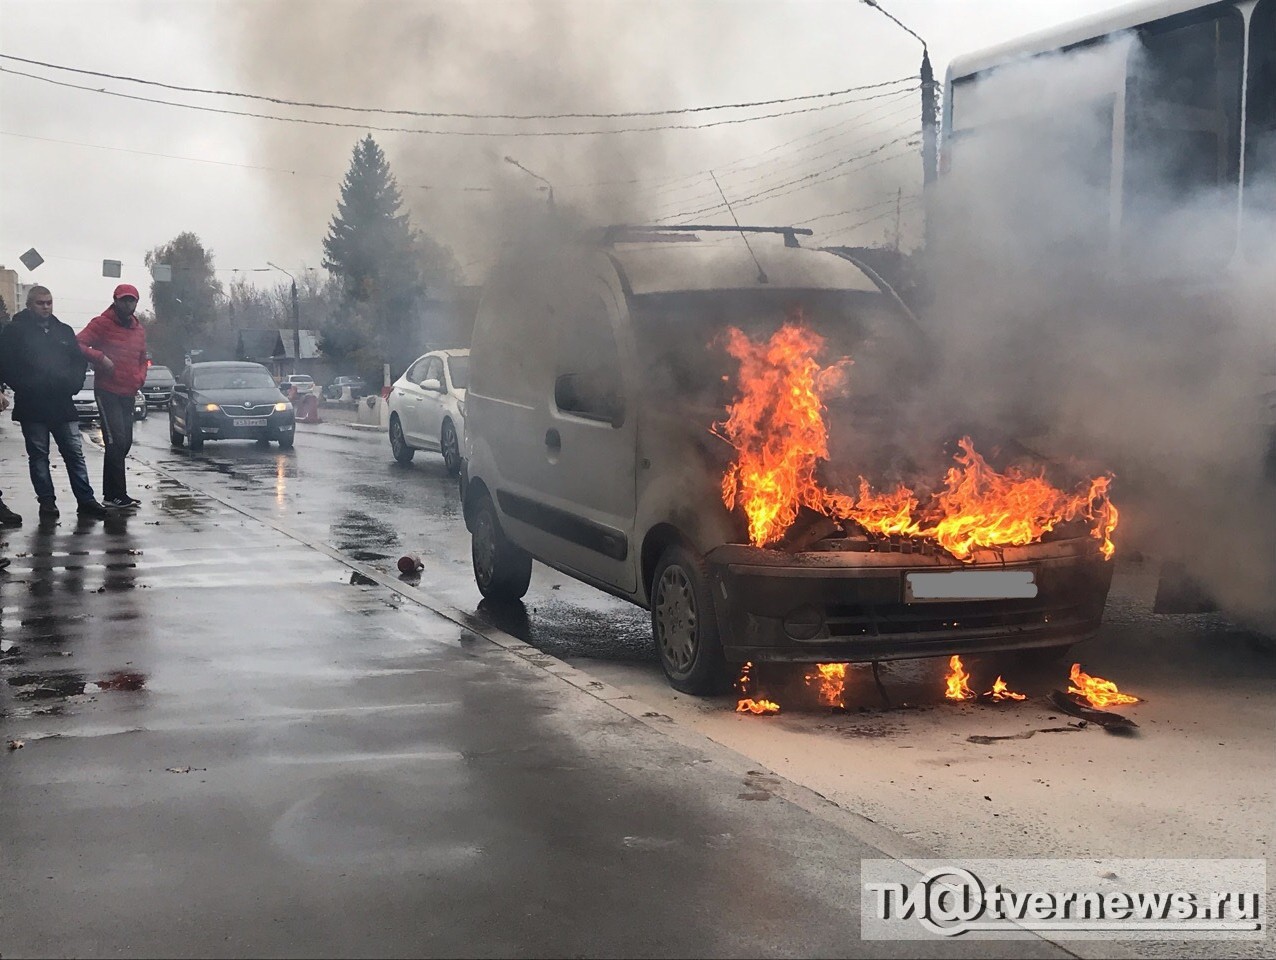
x: 44, y: 366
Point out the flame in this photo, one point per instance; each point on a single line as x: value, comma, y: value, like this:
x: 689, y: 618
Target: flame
x: 1000, y: 692
x: 777, y: 429
x: 958, y: 685
x: 832, y: 681
x: 748, y: 704
x: 1100, y: 692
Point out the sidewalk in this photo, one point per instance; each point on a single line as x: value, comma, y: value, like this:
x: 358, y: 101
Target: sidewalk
x: 235, y: 745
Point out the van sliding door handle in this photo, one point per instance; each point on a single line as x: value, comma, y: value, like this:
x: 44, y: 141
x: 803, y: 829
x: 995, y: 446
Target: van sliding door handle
x: 553, y: 440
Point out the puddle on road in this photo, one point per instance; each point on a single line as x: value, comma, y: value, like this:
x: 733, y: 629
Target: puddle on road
x: 363, y: 537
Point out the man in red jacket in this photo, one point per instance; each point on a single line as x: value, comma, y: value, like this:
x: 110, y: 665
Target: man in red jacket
x: 115, y: 344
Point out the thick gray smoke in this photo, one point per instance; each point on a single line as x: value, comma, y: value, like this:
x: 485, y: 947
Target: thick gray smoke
x: 1122, y: 320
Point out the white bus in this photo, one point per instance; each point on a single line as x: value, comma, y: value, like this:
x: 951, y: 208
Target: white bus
x: 1107, y: 206
x: 1126, y: 119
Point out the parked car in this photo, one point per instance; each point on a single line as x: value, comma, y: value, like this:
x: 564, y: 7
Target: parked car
x: 158, y: 388
x: 303, y: 382
x: 228, y: 400
x: 86, y: 403
x: 336, y: 389
x: 427, y: 407
x: 590, y: 447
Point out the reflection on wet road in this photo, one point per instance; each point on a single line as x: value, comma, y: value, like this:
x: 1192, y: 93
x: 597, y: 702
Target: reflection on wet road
x: 343, y: 488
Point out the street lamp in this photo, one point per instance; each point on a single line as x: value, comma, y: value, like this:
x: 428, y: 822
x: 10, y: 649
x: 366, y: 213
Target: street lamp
x: 296, y: 317
x: 537, y: 176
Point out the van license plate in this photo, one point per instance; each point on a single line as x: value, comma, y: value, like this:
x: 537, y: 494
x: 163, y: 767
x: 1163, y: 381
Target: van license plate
x: 249, y: 422
x: 970, y: 585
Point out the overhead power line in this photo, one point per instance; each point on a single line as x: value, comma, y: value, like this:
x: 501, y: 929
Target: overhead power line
x: 450, y: 133
x: 442, y: 114
x: 231, y: 163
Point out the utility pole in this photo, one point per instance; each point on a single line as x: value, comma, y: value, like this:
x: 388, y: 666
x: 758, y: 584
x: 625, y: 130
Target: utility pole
x: 930, y: 122
x: 296, y: 318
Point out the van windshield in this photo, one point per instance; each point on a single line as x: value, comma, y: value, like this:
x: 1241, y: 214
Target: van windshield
x: 681, y: 335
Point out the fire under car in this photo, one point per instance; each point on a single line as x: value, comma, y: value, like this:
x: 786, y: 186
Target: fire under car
x: 728, y: 429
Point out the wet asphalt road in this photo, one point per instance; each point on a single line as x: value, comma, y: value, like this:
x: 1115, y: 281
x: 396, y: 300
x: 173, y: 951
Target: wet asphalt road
x: 256, y: 639
x: 342, y: 486
x: 226, y: 742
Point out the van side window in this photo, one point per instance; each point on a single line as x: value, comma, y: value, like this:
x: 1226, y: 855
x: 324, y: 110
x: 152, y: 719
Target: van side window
x: 588, y: 380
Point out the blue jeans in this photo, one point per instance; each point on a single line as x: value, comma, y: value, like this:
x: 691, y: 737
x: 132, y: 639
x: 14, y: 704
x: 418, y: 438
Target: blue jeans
x: 67, y: 437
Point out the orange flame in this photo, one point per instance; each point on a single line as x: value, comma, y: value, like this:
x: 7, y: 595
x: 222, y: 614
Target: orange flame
x: 1000, y: 692
x: 832, y: 681
x: 777, y: 429
x: 958, y: 681
x: 748, y: 704
x: 1099, y: 692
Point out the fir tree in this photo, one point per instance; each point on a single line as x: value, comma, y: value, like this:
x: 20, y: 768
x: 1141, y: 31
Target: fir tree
x: 372, y: 250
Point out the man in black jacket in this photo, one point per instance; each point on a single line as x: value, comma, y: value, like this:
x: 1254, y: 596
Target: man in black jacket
x: 41, y: 360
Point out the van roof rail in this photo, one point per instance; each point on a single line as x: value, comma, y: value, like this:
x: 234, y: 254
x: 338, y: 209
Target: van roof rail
x: 636, y: 232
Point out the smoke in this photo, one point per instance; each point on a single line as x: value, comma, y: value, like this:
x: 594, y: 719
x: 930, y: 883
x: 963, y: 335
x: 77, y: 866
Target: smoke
x: 1123, y: 319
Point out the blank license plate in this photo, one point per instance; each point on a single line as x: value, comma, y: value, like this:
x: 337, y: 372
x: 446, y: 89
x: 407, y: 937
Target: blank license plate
x: 970, y: 585
x: 249, y: 421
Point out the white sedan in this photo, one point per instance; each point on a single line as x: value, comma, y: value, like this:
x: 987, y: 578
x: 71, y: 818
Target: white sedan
x: 427, y: 407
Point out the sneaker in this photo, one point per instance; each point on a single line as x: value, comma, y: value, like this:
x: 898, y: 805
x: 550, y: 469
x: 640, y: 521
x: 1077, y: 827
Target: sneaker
x: 8, y: 518
x: 120, y: 503
x: 49, y: 508
x: 133, y: 500
x: 91, y: 508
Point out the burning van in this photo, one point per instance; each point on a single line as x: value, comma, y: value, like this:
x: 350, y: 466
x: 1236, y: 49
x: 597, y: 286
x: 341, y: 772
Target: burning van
x: 726, y: 428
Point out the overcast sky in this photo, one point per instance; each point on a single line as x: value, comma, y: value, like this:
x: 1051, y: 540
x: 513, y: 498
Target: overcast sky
x: 88, y: 176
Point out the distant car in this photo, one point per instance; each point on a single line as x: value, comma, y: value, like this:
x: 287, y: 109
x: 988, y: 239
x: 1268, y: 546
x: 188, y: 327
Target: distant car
x: 158, y: 388
x: 86, y: 403
x: 141, y: 407
x: 427, y: 407
x: 228, y: 400
x: 336, y: 389
x: 303, y: 382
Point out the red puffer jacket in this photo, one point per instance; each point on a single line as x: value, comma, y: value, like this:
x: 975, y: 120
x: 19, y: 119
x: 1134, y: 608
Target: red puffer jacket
x: 126, y: 346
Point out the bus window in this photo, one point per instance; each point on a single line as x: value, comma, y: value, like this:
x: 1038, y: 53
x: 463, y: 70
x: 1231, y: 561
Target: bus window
x: 1260, y: 130
x: 1182, y: 139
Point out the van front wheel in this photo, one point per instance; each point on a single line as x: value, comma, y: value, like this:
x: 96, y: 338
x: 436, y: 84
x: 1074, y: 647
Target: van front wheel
x: 684, y: 624
x: 502, y: 569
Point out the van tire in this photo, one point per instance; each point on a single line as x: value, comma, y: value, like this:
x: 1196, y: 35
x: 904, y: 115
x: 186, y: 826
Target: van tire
x: 502, y: 570
x: 684, y: 624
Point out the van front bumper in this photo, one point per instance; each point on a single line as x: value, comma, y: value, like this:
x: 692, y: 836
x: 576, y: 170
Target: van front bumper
x: 857, y: 606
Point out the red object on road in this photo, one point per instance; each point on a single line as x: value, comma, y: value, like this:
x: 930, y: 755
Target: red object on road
x: 410, y: 563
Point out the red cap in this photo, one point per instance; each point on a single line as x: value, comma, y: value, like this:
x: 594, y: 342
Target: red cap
x: 125, y: 290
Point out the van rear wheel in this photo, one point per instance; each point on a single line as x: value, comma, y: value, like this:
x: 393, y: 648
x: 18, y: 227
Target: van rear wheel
x: 502, y: 570
x: 684, y: 624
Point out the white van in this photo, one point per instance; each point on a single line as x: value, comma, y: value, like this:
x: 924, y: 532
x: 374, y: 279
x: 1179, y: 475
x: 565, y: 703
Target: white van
x: 595, y: 382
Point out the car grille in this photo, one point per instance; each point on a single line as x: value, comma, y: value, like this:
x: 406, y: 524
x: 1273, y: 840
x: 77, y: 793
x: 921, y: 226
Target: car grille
x: 248, y: 409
